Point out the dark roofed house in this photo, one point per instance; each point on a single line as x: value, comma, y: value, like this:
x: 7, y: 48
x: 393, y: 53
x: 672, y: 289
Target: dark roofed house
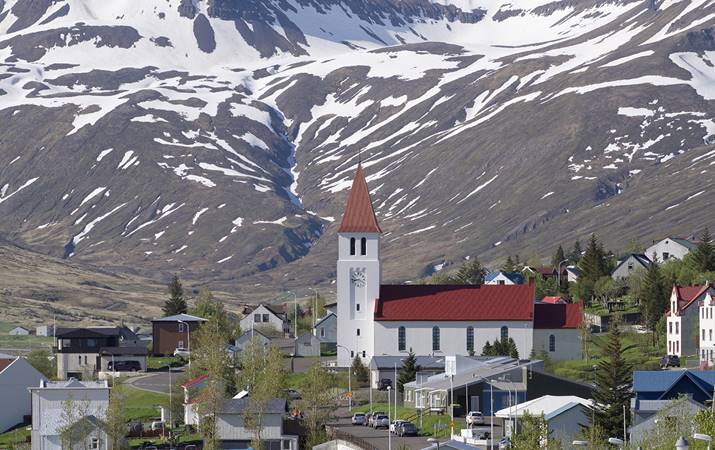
x: 629, y: 264
x: 173, y: 332
x: 78, y: 349
x: 670, y: 247
x: 233, y: 433
x: 266, y: 319
x: 556, y: 330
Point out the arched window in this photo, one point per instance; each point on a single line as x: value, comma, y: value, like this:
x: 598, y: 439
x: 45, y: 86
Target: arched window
x: 552, y: 343
x: 401, y: 339
x: 504, y: 333
x: 352, y: 246
x: 435, y: 339
x: 358, y: 331
x: 363, y: 246
x: 470, y: 339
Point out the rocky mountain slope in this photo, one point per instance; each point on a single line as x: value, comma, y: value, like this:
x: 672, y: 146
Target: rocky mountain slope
x: 217, y: 138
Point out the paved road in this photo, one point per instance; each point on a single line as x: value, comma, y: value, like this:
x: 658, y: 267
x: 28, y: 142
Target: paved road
x: 155, y: 381
x: 379, y: 438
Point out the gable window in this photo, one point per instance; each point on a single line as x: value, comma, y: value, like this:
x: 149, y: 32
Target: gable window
x: 363, y: 246
x: 265, y: 318
x: 435, y: 339
x: 79, y: 359
x: 256, y: 319
x: 470, y: 339
x: 501, y: 282
x: 181, y: 327
x: 363, y: 354
x: 504, y: 333
x: 552, y: 343
x: 630, y: 266
x: 401, y: 339
x: 352, y: 246
x: 666, y: 255
x: 95, y: 443
x: 322, y: 332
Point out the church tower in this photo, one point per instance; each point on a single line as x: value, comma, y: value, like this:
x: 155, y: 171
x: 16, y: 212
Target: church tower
x: 358, y: 274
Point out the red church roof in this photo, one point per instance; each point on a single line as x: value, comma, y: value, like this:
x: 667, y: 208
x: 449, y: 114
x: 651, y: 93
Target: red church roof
x: 359, y: 217
x: 559, y: 315
x: 552, y: 300
x: 455, y: 303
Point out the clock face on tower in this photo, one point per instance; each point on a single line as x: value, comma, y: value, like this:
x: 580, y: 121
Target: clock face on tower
x: 358, y: 278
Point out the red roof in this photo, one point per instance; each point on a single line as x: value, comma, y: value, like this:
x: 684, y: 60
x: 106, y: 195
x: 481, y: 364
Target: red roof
x: 195, y: 381
x: 5, y: 362
x: 686, y: 295
x: 455, y: 303
x: 553, y: 300
x: 359, y: 217
x: 550, y: 316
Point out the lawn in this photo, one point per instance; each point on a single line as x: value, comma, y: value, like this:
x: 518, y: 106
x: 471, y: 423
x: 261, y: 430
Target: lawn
x: 428, y: 420
x: 21, y: 342
x: 143, y: 405
x: 641, y: 355
x: 16, y: 436
x: 160, y: 362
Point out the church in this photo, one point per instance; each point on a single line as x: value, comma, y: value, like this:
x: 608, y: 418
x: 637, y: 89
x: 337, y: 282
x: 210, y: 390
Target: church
x: 376, y: 319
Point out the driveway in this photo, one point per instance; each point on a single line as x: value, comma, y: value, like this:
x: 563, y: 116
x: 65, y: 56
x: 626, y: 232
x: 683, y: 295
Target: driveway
x: 157, y: 382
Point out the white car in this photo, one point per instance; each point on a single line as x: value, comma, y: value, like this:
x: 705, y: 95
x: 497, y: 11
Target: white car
x: 381, y: 421
x: 181, y: 352
x: 395, y: 425
x: 475, y: 418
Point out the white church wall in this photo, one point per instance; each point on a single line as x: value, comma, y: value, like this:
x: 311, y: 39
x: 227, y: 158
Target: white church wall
x: 453, y: 336
x: 567, y: 343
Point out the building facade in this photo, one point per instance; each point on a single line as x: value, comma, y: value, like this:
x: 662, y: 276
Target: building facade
x: 683, y: 319
x: 78, y: 349
x: 16, y: 375
x: 670, y: 247
x: 173, y: 332
x: 265, y: 318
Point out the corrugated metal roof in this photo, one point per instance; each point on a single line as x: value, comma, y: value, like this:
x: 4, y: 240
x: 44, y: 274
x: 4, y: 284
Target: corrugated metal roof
x: 660, y: 381
x: 549, y: 405
x: 434, y: 303
x: 180, y: 317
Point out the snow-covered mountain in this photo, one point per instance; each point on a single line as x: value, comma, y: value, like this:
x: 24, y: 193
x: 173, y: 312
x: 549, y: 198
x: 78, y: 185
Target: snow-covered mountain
x: 218, y: 137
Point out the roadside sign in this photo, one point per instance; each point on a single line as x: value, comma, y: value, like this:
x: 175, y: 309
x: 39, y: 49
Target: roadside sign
x: 349, y: 394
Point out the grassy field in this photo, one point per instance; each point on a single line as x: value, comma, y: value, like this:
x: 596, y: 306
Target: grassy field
x: 143, y: 405
x: 11, y: 438
x: 21, y: 342
x: 428, y: 420
x: 160, y: 362
x: 641, y: 355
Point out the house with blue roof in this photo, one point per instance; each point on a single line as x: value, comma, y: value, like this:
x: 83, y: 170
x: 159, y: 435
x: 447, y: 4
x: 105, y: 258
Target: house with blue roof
x: 500, y: 277
x: 652, y: 390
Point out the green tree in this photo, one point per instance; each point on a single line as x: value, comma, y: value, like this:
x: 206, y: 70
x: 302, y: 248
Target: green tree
x: 116, y: 423
x: 510, y: 349
x: 408, y: 372
x: 534, y: 433
x: 558, y: 257
x: 593, y: 266
x: 488, y: 350
x: 471, y: 272
x: 268, y: 385
x: 508, y: 266
x: 653, y: 297
x: 41, y: 360
x: 575, y: 254
x: 705, y: 422
x: 176, y: 304
x: 318, y: 401
x: 359, y: 370
x: 209, y: 308
x: 703, y: 259
x: 613, y: 385
x: 676, y: 419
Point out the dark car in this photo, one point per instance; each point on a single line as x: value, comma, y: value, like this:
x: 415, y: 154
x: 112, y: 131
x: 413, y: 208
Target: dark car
x: 669, y: 361
x: 383, y: 384
x: 124, y: 366
x: 407, y: 429
x: 293, y: 394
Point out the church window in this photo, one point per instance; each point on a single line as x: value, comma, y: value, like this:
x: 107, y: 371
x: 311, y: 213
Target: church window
x: 352, y: 246
x: 552, y: 343
x: 470, y: 339
x: 357, y: 307
x: 358, y: 331
x: 435, y: 339
x: 504, y: 333
x: 363, y: 246
x: 401, y: 339
x: 363, y: 354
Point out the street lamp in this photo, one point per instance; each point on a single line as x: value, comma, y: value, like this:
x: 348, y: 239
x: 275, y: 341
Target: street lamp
x: 616, y: 441
x: 389, y: 420
x: 703, y: 437
x: 491, y: 408
x: 315, y: 306
x: 558, y: 274
x: 295, y: 313
x: 188, y: 339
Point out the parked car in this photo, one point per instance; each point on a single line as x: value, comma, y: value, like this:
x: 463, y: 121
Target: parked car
x: 124, y: 366
x: 475, y: 418
x: 669, y: 361
x: 359, y: 419
x: 373, y: 416
x: 395, y: 425
x: 383, y: 384
x: 504, y: 443
x: 293, y: 394
x: 407, y: 429
x: 381, y: 421
x: 181, y: 352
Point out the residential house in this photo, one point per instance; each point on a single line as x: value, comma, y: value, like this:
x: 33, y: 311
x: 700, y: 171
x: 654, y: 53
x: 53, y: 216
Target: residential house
x: 707, y: 325
x: 307, y: 344
x: 629, y: 264
x: 49, y: 406
x: 683, y: 319
x: 89, y: 432
x: 173, y: 332
x: 332, y: 308
x: 500, y: 277
x: 384, y: 367
x: 572, y: 273
x: 657, y: 409
x: 554, y: 299
x: 45, y: 330
x: 78, y: 349
x: 653, y: 389
x: 109, y: 356
x: 192, y: 389
x: 487, y: 384
x: 16, y: 375
x: 246, y: 337
x: 564, y: 415
x: 19, y: 331
x: 670, y: 247
x: 326, y: 329
x: 556, y: 330
x: 266, y: 318
x: 233, y: 433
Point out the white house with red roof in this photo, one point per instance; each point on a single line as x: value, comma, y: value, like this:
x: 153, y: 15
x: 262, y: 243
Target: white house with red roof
x: 376, y: 319
x: 683, y: 319
x: 707, y: 331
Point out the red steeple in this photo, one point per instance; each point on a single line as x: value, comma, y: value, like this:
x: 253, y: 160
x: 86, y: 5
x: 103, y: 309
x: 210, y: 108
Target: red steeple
x: 359, y: 217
